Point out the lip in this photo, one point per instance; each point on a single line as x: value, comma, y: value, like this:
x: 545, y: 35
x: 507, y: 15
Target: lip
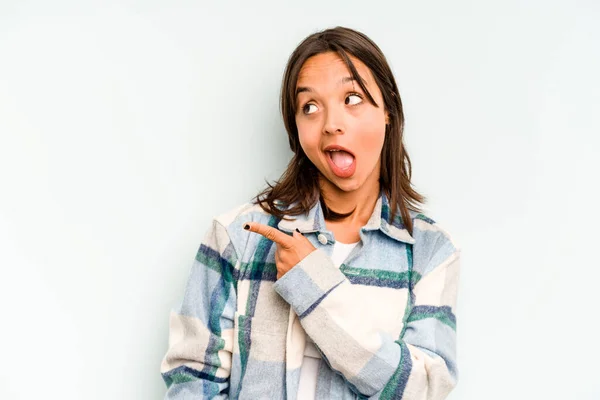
x: 338, y: 147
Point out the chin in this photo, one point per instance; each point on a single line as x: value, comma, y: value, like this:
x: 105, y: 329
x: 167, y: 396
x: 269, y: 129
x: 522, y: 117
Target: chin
x: 345, y: 185
x: 349, y: 186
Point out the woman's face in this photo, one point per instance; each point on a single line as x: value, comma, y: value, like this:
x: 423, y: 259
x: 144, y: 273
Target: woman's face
x: 334, y: 113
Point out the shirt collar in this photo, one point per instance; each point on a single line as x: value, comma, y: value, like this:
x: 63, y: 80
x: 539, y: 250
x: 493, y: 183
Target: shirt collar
x: 314, y: 221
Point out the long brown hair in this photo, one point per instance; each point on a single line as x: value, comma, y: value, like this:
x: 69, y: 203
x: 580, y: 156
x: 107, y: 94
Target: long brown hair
x: 298, y: 190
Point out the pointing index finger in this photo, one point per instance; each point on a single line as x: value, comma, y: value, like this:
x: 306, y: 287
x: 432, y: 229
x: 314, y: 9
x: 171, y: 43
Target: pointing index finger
x: 269, y: 232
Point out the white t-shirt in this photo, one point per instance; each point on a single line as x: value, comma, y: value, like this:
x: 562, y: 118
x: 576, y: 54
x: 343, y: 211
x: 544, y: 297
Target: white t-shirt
x: 310, y: 364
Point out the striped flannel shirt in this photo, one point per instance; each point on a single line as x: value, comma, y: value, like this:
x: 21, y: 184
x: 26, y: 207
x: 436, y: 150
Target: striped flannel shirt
x: 384, y: 322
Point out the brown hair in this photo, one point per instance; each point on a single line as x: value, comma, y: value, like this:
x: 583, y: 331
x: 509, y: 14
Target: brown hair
x: 298, y: 186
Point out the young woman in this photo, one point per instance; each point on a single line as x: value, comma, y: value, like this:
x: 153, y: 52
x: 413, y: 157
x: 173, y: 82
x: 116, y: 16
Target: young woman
x: 331, y: 283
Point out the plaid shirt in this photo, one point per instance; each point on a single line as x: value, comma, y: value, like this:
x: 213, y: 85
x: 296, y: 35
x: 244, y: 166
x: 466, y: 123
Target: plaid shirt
x: 384, y: 322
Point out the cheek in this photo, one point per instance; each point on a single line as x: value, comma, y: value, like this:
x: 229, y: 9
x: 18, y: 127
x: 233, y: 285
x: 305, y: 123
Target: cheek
x: 309, y: 138
x: 372, y: 134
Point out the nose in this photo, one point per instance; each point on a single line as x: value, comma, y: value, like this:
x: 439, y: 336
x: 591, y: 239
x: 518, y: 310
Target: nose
x: 334, y: 122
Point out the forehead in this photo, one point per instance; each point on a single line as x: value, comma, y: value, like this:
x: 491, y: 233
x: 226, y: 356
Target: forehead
x: 329, y: 68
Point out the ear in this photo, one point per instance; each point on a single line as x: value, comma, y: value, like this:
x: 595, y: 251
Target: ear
x: 387, y: 117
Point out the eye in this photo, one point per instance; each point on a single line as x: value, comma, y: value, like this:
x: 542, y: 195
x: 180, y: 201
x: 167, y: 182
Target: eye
x: 307, y: 108
x: 353, y: 99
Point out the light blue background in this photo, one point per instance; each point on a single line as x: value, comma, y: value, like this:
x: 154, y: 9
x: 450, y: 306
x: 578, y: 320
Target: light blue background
x: 125, y: 126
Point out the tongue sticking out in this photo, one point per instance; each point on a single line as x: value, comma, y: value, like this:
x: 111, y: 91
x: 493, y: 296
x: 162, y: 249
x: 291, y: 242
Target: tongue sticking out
x: 342, y: 159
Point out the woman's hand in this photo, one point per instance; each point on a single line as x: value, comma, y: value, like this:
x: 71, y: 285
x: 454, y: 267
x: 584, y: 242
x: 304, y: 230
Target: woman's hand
x: 290, y: 249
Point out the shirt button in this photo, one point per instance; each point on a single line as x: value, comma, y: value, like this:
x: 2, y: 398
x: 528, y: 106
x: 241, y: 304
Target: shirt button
x: 322, y: 238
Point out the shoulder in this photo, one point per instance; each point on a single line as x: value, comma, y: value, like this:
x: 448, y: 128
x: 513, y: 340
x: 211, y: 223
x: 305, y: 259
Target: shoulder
x: 429, y: 229
x: 433, y: 242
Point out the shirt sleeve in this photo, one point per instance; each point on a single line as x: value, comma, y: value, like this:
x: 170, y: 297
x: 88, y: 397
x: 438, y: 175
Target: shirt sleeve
x: 420, y: 364
x: 198, y: 361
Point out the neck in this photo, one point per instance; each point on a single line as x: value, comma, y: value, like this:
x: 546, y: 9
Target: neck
x: 361, y: 200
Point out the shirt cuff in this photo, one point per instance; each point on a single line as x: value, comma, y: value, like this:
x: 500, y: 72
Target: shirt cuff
x: 309, y: 282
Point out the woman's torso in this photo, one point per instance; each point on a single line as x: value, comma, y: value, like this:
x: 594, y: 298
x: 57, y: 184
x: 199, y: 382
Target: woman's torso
x: 269, y: 341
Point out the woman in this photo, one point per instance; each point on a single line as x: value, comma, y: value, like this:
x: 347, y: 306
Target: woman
x: 331, y: 283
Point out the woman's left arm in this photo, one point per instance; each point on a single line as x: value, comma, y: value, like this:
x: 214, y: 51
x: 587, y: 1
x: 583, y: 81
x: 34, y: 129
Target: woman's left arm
x: 420, y: 364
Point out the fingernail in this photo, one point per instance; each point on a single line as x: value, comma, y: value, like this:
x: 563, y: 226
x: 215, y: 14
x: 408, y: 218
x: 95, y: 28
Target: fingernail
x: 246, y: 226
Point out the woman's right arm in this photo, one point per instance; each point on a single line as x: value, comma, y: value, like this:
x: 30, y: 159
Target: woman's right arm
x: 198, y: 361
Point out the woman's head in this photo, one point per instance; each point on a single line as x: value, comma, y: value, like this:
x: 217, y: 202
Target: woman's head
x: 338, y: 89
x: 338, y: 128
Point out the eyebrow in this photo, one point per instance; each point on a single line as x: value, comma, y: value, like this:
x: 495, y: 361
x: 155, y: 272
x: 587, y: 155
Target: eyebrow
x: 345, y: 79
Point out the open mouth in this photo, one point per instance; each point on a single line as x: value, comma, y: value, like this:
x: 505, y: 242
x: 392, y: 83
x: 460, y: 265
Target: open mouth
x: 341, y: 161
